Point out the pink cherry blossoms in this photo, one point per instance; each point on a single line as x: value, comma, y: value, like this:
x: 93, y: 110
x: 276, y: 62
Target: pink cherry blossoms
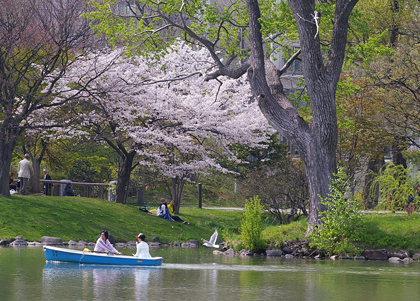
x: 164, y: 109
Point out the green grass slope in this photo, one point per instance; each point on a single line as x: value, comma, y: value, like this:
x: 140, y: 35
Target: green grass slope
x: 76, y: 218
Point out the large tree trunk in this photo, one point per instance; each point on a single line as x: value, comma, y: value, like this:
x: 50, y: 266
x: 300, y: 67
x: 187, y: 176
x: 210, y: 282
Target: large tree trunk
x: 8, y: 142
x: 315, y: 140
x: 319, y: 167
x: 124, y: 176
x: 177, y: 187
x: 35, y: 186
x: 5, y: 160
x: 396, y: 152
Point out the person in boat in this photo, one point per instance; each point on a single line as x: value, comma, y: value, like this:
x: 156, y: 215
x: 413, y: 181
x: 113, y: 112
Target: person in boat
x: 171, y: 208
x: 163, y: 210
x: 142, y: 247
x: 104, y: 245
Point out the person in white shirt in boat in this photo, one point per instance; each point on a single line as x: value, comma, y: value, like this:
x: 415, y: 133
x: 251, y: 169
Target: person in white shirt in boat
x: 103, y: 244
x: 142, y: 247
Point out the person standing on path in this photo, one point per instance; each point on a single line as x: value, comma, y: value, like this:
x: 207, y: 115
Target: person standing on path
x: 25, y: 171
x: 47, y: 186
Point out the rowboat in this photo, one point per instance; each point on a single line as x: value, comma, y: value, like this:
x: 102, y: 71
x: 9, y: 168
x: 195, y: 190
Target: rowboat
x: 90, y: 257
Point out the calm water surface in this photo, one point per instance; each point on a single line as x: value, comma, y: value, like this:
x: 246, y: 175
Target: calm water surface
x: 200, y: 275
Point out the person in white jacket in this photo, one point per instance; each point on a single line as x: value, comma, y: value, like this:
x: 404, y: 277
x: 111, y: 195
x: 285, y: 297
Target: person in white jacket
x: 142, y: 247
x: 25, y: 171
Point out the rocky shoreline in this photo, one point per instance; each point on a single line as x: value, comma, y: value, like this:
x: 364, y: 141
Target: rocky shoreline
x: 55, y: 241
x: 296, y: 249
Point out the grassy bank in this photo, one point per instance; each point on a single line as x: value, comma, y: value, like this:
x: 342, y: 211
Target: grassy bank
x: 83, y: 218
x: 392, y: 231
x: 74, y: 218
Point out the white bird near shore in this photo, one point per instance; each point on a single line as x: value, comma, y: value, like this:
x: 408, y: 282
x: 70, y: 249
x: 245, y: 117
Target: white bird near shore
x: 212, y: 242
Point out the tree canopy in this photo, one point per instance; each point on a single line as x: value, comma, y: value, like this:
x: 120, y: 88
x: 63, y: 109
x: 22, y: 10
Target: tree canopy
x: 161, y: 113
x: 38, y: 40
x: 238, y: 41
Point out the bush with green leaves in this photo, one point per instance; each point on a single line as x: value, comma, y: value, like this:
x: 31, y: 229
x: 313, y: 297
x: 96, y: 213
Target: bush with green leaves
x: 341, y: 225
x: 251, y: 225
x: 395, y: 184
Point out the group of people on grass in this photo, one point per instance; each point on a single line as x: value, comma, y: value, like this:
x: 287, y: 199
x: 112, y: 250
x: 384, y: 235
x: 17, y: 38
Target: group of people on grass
x: 167, y: 211
x: 103, y: 245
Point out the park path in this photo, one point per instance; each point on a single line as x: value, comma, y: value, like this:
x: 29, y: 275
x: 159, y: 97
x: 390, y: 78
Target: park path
x: 363, y: 211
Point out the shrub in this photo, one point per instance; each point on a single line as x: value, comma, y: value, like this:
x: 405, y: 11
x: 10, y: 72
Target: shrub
x: 395, y: 184
x: 251, y: 225
x: 341, y: 227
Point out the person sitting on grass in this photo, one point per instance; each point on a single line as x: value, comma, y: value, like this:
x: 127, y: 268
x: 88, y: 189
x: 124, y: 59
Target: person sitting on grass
x: 163, y: 210
x: 171, y: 208
x: 11, y: 181
x: 142, y: 247
x: 67, y: 190
x: 104, y: 245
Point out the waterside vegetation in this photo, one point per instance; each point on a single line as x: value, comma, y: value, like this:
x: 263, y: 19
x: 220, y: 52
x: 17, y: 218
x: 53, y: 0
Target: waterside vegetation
x: 74, y: 218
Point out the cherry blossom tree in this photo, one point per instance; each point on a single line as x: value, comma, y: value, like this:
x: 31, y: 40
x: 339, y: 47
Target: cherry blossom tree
x: 162, y: 113
x: 238, y: 35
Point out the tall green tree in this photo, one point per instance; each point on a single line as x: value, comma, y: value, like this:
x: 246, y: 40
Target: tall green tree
x: 389, y: 24
x: 397, y: 79
x: 236, y: 36
x: 365, y: 130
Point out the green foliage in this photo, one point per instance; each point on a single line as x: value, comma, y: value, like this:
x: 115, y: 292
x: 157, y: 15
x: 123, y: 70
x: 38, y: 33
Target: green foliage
x: 363, y: 54
x: 395, y: 185
x: 256, y: 157
x: 340, y: 230
x: 413, y: 157
x: 147, y: 33
x: 276, y: 235
x: 251, y: 225
x: 87, y: 169
x: 87, y: 161
x: 281, y: 184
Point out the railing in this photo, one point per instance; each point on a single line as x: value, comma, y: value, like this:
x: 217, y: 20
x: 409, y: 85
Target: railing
x: 80, y: 188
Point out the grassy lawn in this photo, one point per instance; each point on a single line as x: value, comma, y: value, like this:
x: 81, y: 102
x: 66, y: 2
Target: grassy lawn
x: 75, y: 218
x: 392, y: 231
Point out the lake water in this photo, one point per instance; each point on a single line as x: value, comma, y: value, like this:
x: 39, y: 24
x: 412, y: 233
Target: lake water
x: 200, y: 275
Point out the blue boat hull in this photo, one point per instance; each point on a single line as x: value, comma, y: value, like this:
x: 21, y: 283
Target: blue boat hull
x: 69, y: 255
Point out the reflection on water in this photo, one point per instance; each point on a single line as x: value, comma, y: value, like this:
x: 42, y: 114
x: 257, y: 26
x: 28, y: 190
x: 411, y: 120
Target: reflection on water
x: 96, y: 282
x: 141, y: 283
x: 198, y: 275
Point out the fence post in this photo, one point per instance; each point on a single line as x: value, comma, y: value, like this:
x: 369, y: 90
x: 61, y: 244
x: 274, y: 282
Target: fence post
x: 112, y: 193
x: 200, y: 196
x: 62, y: 186
x: 140, y: 196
